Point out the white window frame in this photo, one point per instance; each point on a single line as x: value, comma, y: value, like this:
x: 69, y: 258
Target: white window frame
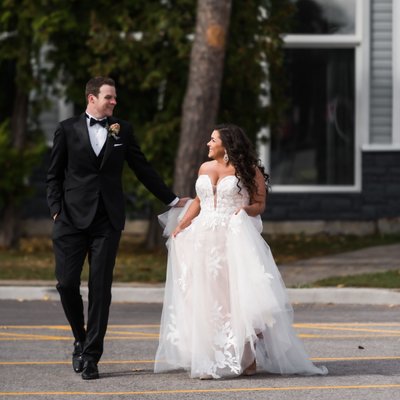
x: 396, y: 75
x: 360, y: 42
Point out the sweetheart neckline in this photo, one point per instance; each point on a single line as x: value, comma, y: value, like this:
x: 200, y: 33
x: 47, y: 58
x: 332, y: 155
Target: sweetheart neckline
x: 219, y: 181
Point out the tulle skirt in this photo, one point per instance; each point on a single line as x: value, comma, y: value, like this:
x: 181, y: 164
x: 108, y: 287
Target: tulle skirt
x: 225, y: 303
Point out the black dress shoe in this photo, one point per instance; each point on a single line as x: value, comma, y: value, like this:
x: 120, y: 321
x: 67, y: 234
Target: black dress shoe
x: 77, y: 361
x: 90, y: 370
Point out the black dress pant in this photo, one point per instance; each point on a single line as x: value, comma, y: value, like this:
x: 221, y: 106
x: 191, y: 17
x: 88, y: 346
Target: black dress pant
x: 71, y: 246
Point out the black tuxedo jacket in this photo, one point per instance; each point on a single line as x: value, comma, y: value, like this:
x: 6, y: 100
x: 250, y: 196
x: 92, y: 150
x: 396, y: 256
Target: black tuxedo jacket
x: 76, y: 179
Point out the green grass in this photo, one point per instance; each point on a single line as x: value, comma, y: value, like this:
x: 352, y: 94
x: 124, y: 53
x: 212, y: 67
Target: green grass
x: 387, y: 279
x: 34, y: 259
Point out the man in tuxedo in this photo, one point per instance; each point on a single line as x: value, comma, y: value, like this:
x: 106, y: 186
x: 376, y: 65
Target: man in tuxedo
x: 86, y: 201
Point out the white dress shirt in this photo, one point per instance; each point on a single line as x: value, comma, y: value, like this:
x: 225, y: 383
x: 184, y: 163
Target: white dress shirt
x: 97, y: 135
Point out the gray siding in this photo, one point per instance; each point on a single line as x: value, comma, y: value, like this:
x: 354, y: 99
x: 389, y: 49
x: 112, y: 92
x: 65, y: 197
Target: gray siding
x: 381, y: 72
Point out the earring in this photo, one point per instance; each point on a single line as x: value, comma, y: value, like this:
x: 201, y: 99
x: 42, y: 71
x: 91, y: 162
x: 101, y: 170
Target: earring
x: 226, y: 157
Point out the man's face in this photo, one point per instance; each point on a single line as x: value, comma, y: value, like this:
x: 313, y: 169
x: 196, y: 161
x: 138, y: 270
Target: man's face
x: 103, y: 105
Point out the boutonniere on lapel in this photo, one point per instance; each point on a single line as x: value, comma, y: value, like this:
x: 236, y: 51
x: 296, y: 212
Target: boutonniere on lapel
x: 113, y: 130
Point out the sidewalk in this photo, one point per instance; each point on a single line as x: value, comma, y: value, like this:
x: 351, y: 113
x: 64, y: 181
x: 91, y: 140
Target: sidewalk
x: 368, y: 260
x: 372, y: 259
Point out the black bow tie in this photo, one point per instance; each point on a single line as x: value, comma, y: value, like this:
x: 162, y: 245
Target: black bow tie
x: 102, y: 122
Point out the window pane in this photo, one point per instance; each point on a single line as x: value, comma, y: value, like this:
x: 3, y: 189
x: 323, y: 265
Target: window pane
x: 314, y: 143
x: 324, y: 17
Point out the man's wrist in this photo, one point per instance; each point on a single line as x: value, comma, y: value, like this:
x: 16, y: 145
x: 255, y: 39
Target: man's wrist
x: 173, y: 202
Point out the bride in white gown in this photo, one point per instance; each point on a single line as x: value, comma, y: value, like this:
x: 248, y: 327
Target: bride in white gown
x: 226, y: 310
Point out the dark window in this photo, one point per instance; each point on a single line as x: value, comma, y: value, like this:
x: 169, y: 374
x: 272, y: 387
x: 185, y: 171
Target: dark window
x: 323, y: 17
x: 314, y: 143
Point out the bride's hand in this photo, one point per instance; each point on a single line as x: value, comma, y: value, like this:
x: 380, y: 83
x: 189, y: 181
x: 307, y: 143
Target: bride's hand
x: 177, y: 230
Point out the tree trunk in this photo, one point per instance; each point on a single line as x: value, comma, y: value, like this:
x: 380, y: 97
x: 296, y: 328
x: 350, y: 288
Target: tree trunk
x: 200, y: 106
x: 10, y: 219
x: 154, y: 239
x: 10, y: 227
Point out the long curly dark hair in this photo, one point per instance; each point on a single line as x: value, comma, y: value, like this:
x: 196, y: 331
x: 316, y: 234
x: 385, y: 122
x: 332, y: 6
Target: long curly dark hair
x: 242, y: 156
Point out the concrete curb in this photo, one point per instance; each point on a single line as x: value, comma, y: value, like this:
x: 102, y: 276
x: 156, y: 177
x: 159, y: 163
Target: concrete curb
x: 119, y: 294
x: 345, y: 296
x: 149, y: 294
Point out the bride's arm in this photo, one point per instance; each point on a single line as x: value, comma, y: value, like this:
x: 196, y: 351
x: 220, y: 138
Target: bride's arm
x: 194, y: 209
x: 257, y: 205
x: 192, y: 212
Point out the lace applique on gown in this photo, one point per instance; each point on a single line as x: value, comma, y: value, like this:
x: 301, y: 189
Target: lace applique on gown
x: 225, y: 301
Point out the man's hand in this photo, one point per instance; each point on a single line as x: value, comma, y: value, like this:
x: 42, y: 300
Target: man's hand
x: 181, y: 202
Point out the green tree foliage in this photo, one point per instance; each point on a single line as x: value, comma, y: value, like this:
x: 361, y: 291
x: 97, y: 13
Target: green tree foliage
x: 254, y: 57
x: 145, y: 46
x: 16, y: 166
x: 20, y: 57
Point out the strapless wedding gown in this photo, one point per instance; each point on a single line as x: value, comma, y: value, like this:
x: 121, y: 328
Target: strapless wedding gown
x: 225, y: 301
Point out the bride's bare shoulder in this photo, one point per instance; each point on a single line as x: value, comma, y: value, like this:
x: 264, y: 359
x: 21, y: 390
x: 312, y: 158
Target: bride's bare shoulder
x: 207, y: 168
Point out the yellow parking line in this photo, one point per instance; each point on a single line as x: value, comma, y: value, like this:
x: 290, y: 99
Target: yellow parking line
x: 361, y: 330
x: 132, y: 338
x: 325, y: 359
x: 319, y: 336
x: 366, y: 358
x: 157, y: 326
x: 66, y: 327
x: 112, y: 332
x: 34, y: 362
x: 135, y: 326
x: 68, y: 362
x: 16, y: 339
x: 348, y: 323
x: 127, y: 362
x: 224, y: 390
x: 63, y: 327
x: 338, y: 328
x: 11, y: 338
x: 29, y: 336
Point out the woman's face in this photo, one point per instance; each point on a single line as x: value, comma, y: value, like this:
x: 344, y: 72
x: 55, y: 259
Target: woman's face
x: 215, y: 148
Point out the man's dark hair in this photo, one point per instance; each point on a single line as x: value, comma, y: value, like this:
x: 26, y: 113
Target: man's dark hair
x: 93, y: 86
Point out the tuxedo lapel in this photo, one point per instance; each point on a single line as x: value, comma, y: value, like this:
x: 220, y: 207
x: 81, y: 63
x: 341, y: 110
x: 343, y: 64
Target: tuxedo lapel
x: 109, y: 143
x: 107, y: 151
x: 83, y: 134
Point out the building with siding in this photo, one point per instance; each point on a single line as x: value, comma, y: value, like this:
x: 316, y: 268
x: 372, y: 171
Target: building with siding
x: 334, y: 160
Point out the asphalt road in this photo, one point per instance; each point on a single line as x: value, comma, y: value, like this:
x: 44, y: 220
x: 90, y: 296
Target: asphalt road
x: 360, y: 345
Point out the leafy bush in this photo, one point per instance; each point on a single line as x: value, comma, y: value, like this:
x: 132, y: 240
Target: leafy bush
x: 16, y: 166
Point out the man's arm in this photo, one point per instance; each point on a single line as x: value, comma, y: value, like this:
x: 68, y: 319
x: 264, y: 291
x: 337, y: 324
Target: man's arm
x: 146, y: 173
x: 56, y: 172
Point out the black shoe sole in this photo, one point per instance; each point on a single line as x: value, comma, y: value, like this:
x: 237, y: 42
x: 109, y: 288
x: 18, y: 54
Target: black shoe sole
x: 89, y: 378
